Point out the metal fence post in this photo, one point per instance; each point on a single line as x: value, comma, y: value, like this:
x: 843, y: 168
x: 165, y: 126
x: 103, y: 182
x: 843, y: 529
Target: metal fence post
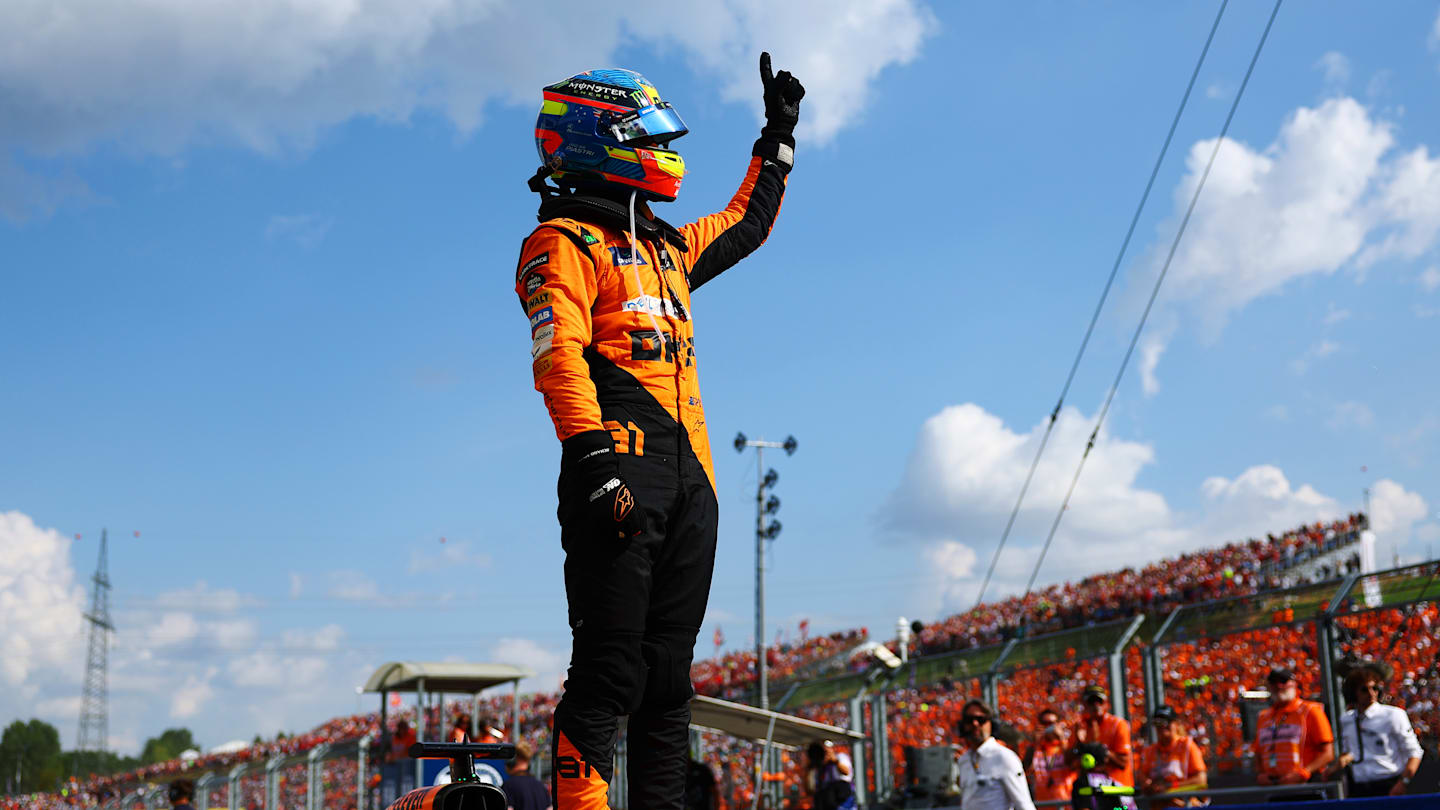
x: 362, y: 756
x: 1116, y: 659
x: 232, y: 793
x: 878, y: 723
x: 202, y: 790
x: 313, y: 789
x: 420, y: 730
x: 620, y: 783
x: 857, y: 723
x: 272, y: 780
x: 989, y: 681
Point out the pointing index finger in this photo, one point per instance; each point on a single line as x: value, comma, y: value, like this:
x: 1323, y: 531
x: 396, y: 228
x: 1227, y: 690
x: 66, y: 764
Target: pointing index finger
x: 765, y: 73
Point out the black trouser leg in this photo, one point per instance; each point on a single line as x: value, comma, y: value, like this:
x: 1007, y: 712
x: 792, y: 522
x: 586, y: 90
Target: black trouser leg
x: 659, y: 731
x: 607, y: 587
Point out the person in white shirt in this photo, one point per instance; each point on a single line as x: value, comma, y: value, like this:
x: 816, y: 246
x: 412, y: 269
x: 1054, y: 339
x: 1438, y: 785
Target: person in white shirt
x: 1378, y: 743
x: 991, y: 777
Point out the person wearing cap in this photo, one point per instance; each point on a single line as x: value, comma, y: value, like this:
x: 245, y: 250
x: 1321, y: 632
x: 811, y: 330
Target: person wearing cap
x: 1380, y: 753
x: 1050, y: 775
x: 1173, y: 763
x: 1098, y: 725
x: 1293, y: 739
x: 991, y: 777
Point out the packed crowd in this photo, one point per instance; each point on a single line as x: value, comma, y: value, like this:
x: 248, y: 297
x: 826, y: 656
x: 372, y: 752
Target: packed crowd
x: 1203, y: 678
x: 1235, y: 569
x: 730, y: 675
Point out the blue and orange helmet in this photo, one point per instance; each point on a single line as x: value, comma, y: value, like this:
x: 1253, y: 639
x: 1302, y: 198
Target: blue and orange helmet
x: 611, y: 126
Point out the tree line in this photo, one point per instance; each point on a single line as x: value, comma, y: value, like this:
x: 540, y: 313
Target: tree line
x: 31, y: 760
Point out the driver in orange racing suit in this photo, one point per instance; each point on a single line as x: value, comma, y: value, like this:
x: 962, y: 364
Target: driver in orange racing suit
x: 606, y: 286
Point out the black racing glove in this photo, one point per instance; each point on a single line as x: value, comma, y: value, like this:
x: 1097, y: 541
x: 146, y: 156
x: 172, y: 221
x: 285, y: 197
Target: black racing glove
x: 594, y: 474
x: 782, y: 112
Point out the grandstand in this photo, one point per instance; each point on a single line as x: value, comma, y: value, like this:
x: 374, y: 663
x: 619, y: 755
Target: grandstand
x: 1194, y: 632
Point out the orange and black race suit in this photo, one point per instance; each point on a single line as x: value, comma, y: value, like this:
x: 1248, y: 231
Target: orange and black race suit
x: 613, y: 353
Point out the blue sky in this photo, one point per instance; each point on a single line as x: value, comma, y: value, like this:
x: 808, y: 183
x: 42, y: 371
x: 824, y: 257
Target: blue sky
x: 257, y: 307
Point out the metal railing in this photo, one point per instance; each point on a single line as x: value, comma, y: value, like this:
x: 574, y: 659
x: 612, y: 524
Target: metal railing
x: 1332, y: 790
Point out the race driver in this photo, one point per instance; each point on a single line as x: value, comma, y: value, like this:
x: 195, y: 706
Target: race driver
x: 606, y: 286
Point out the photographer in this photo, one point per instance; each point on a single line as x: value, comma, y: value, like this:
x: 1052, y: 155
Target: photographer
x: 829, y: 776
x: 1098, y: 725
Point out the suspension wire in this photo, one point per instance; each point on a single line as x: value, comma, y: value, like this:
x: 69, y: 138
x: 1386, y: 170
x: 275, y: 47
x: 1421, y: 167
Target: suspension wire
x: 1100, y: 305
x: 1154, y: 293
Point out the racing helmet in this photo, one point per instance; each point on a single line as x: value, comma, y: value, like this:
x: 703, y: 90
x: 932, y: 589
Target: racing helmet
x: 610, y: 126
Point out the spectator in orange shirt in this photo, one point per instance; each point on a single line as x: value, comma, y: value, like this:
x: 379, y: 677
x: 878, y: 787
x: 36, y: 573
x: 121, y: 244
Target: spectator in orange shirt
x: 460, y: 730
x: 401, y: 742
x: 1097, y: 724
x: 1050, y: 776
x: 1293, y: 739
x: 1174, y: 762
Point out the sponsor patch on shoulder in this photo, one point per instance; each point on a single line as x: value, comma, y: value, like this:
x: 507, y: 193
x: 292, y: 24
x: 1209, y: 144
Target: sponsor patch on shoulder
x: 536, y: 300
x: 533, y: 282
x: 588, y: 237
x: 537, y: 261
x: 541, y: 365
x: 540, y: 317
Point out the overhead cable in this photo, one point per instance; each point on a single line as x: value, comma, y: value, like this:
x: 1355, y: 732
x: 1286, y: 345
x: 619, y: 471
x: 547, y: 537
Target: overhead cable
x: 1100, y: 305
x: 1135, y: 339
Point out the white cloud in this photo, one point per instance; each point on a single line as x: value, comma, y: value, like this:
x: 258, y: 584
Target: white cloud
x: 967, y: 467
x: 1330, y: 192
x: 548, y: 665
x: 1336, y: 67
x: 201, y: 597
x: 192, y: 695
x: 1216, y: 92
x: 1334, y: 316
x: 1427, y: 533
x: 40, y: 601
x: 1323, y: 348
x: 232, y: 634
x: 272, y: 74
x: 1430, y: 279
x: 1152, y: 345
x: 325, y: 639
x: 1395, y: 511
x: 173, y: 628
x: 1350, y: 414
x: 170, y: 657
x: 297, y: 584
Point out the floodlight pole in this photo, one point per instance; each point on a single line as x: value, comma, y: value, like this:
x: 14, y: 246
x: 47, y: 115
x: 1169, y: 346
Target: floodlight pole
x: 761, y: 484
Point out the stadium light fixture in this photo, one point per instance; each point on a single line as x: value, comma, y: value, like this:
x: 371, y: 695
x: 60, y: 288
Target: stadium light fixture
x: 762, y: 533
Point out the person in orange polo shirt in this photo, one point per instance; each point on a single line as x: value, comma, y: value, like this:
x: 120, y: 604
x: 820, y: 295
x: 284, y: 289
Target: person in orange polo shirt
x: 1097, y: 724
x: 1050, y: 777
x: 1293, y: 739
x: 1174, y: 762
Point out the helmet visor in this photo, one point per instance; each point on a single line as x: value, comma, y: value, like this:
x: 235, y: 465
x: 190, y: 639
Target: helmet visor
x: 658, y: 124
